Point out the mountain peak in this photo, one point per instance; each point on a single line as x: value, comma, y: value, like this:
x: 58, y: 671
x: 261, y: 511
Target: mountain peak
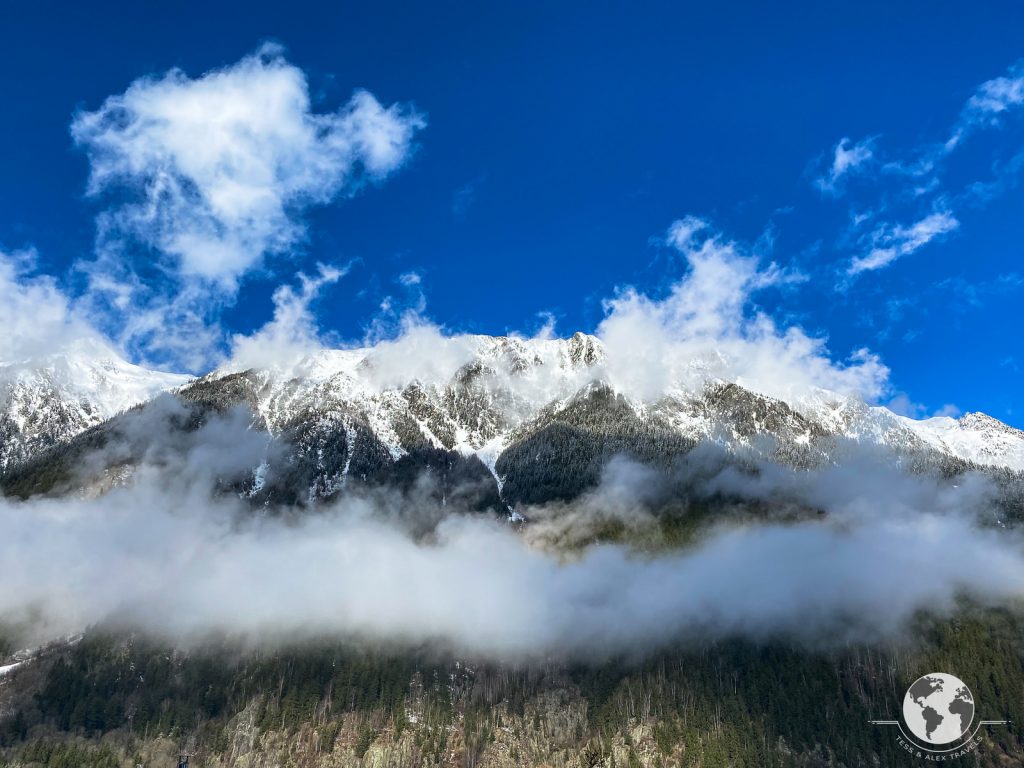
x: 982, y: 421
x: 473, y: 394
x: 53, y: 398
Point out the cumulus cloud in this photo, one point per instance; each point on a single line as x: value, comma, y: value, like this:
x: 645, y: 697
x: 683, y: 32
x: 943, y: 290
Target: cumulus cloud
x: 707, y: 328
x: 208, y: 176
x: 293, y: 333
x: 221, y: 163
x: 890, y: 243
x: 847, y: 158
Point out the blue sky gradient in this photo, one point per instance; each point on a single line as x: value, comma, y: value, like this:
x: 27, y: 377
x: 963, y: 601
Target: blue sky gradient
x: 562, y: 140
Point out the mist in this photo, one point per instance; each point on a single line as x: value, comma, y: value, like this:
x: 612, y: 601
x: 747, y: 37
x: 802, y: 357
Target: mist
x: 168, y: 551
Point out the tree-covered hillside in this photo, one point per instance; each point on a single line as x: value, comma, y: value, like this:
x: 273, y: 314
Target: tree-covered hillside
x: 117, y: 698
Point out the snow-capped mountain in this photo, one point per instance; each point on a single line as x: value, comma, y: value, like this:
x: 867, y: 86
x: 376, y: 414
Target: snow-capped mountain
x: 976, y: 437
x: 534, y: 411
x: 521, y: 415
x: 51, y: 399
x: 506, y: 386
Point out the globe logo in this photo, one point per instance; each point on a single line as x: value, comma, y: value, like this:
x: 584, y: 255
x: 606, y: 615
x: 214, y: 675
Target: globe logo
x: 938, y: 708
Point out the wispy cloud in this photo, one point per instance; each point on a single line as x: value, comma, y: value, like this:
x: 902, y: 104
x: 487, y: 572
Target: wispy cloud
x: 463, y: 199
x: 962, y: 295
x: 939, y: 302
x: 409, y: 279
x: 902, y: 405
x: 847, y: 158
x: 916, y: 180
x: 1005, y: 176
x: 989, y: 103
x: 891, y: 243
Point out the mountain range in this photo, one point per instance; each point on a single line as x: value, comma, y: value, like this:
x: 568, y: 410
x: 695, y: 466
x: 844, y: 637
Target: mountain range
x: 521, y: 429
x: 511, y: 413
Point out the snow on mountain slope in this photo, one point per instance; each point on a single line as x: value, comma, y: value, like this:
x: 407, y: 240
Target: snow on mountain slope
x: 480, y: 396
x: 53, y: 398
x: 975, y: 437
x: 459, y: 396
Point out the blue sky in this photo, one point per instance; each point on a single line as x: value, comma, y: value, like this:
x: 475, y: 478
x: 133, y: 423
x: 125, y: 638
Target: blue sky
x: 556, y: 144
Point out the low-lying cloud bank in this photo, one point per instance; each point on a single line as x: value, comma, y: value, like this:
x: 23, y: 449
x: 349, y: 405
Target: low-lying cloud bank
x: 166, y: 555
x: 479, y: 586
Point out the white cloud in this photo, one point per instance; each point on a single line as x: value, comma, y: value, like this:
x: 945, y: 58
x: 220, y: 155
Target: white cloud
x: 222, y: 163
x: 706, y: 329
x: 902, y: 405
x: 847, y: 158
x: 37, y: 317
x: 159, y: 323
x: 421, y: 351
x: 918, y: 176
x: 890, y: 243
x: 681, y: 233
x: 992, y: 99
x: 217, y: 171
x: 293, y: 332
x: 358, y: 568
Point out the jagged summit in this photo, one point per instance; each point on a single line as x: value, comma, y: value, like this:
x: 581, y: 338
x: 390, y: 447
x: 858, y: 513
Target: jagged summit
x: 429, y: 358
x: 497, y: 402
x: 974, y: 436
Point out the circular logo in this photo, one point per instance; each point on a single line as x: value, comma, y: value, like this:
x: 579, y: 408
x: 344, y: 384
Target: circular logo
x: 938, y: 708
